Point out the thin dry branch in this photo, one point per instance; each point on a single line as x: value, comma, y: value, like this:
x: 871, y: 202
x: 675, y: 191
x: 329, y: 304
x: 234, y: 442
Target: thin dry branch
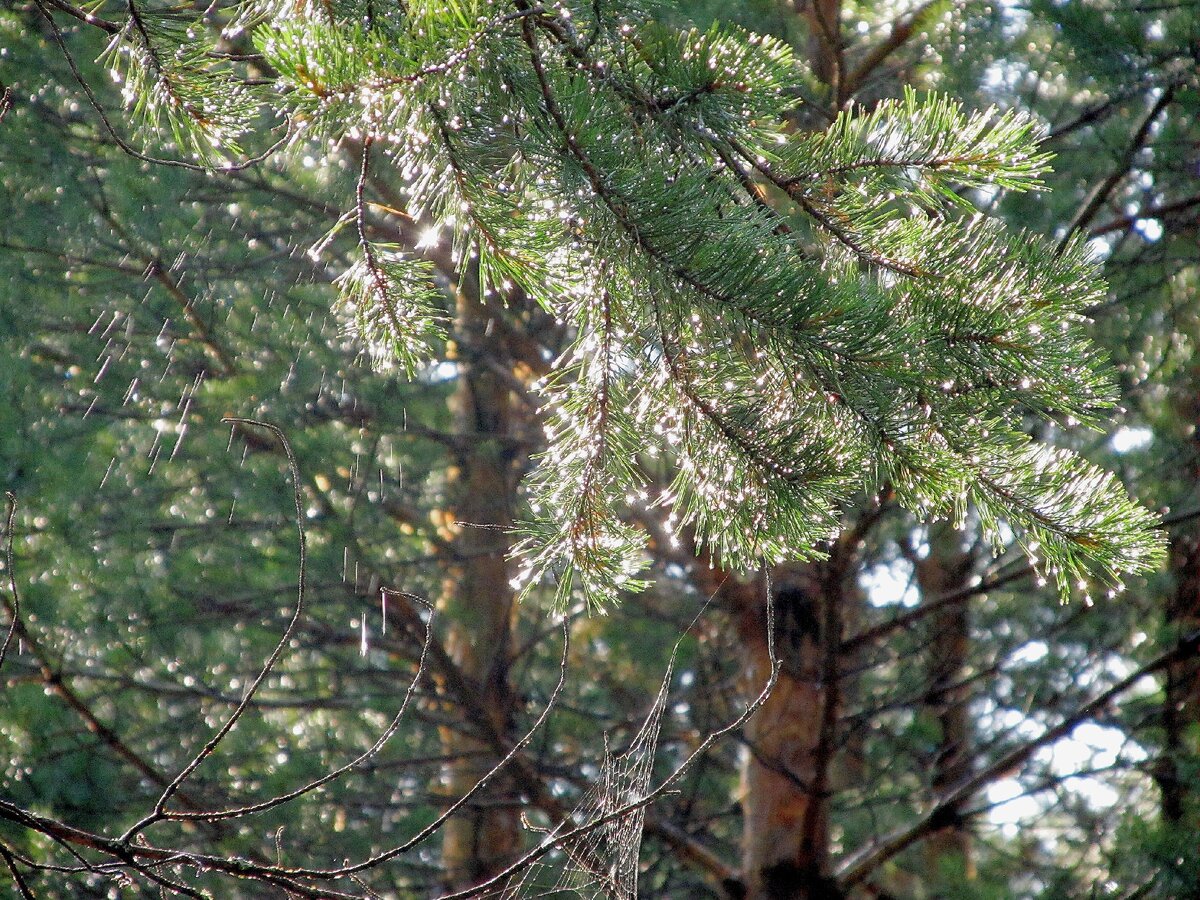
x: 859, y: 866
x: 159, y: 813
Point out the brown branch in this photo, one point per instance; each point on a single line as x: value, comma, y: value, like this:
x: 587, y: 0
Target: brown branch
x: 68, y: 259
x: 903, y: 620
x: 1096, y: 113
x: 128, y: 854
x: 204, y: 335
x: 6, y: 100
x: 690, y: 849
x: 83, y: 16
x: 860, y: 865
x: 825, y: 43
x: 902, y: 30
x: 11, y: 605
x: 53, y: 678
x: 1149, y: 212
x: 153, y: 268
x: 18, y: 879
x: 1103, y: 190
x: 833, y: 577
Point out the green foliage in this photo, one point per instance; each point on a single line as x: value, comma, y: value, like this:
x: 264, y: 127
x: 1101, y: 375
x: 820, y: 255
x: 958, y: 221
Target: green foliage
x: 169, y: 74
x: 393, y: 307
x: 752, y: 325
x: 920, y: 151
x: 914, y: 337
x: 1161, y: 859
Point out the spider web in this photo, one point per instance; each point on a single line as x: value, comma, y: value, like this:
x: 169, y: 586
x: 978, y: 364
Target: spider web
x: 594, y: 852
x: 602, y: 861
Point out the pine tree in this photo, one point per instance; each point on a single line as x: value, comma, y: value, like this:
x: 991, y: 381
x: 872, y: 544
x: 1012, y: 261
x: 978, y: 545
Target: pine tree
x: 790, y: 319
x: 781, y: 321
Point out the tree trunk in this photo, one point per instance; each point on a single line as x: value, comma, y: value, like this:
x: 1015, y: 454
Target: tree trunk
x: 1181, y: 688
x: 479, y: 601
x: 1180, y: 715
x: 944, y: 571
x: 792, y: 738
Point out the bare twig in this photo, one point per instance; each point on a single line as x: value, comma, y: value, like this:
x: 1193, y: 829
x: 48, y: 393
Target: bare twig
x: 1146, y: 212
x: 207, y: 750
x: 18, y: 879
x: 902, y: 30
x: 1103, y: 189
x: 860, y: 865
x: 903, y: 620
x: 14, y: 606
x: 334, y: 774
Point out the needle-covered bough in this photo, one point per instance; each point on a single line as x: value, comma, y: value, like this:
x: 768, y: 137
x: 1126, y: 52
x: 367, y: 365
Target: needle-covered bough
x: 786, y: 317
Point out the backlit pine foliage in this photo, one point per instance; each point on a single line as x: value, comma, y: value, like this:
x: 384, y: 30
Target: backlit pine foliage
x: 787, y: 318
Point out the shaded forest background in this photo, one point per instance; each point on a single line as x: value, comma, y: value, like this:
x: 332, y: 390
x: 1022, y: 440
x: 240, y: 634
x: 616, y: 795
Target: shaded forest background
x: 942, y: 725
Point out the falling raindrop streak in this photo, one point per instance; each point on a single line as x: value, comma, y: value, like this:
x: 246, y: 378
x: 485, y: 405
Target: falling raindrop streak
x: 112, y: 464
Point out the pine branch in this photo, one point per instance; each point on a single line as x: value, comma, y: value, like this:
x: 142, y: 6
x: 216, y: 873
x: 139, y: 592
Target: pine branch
x: 859, y: 866
x: 902, y: 31
x: 1100, y: 193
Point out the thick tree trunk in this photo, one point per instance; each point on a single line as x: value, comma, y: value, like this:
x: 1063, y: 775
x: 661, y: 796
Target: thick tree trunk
x: 479, y: 602
x: 1180, y: 717
x: 1181, y: 689
x: 792, y: 738
x: 946, y: 570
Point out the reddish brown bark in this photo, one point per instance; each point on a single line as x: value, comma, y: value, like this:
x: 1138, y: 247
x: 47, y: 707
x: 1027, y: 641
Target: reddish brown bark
x: 1180, y: 714
x: 479, y: 601
x: 823, y: 18
x: 792, y: 739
